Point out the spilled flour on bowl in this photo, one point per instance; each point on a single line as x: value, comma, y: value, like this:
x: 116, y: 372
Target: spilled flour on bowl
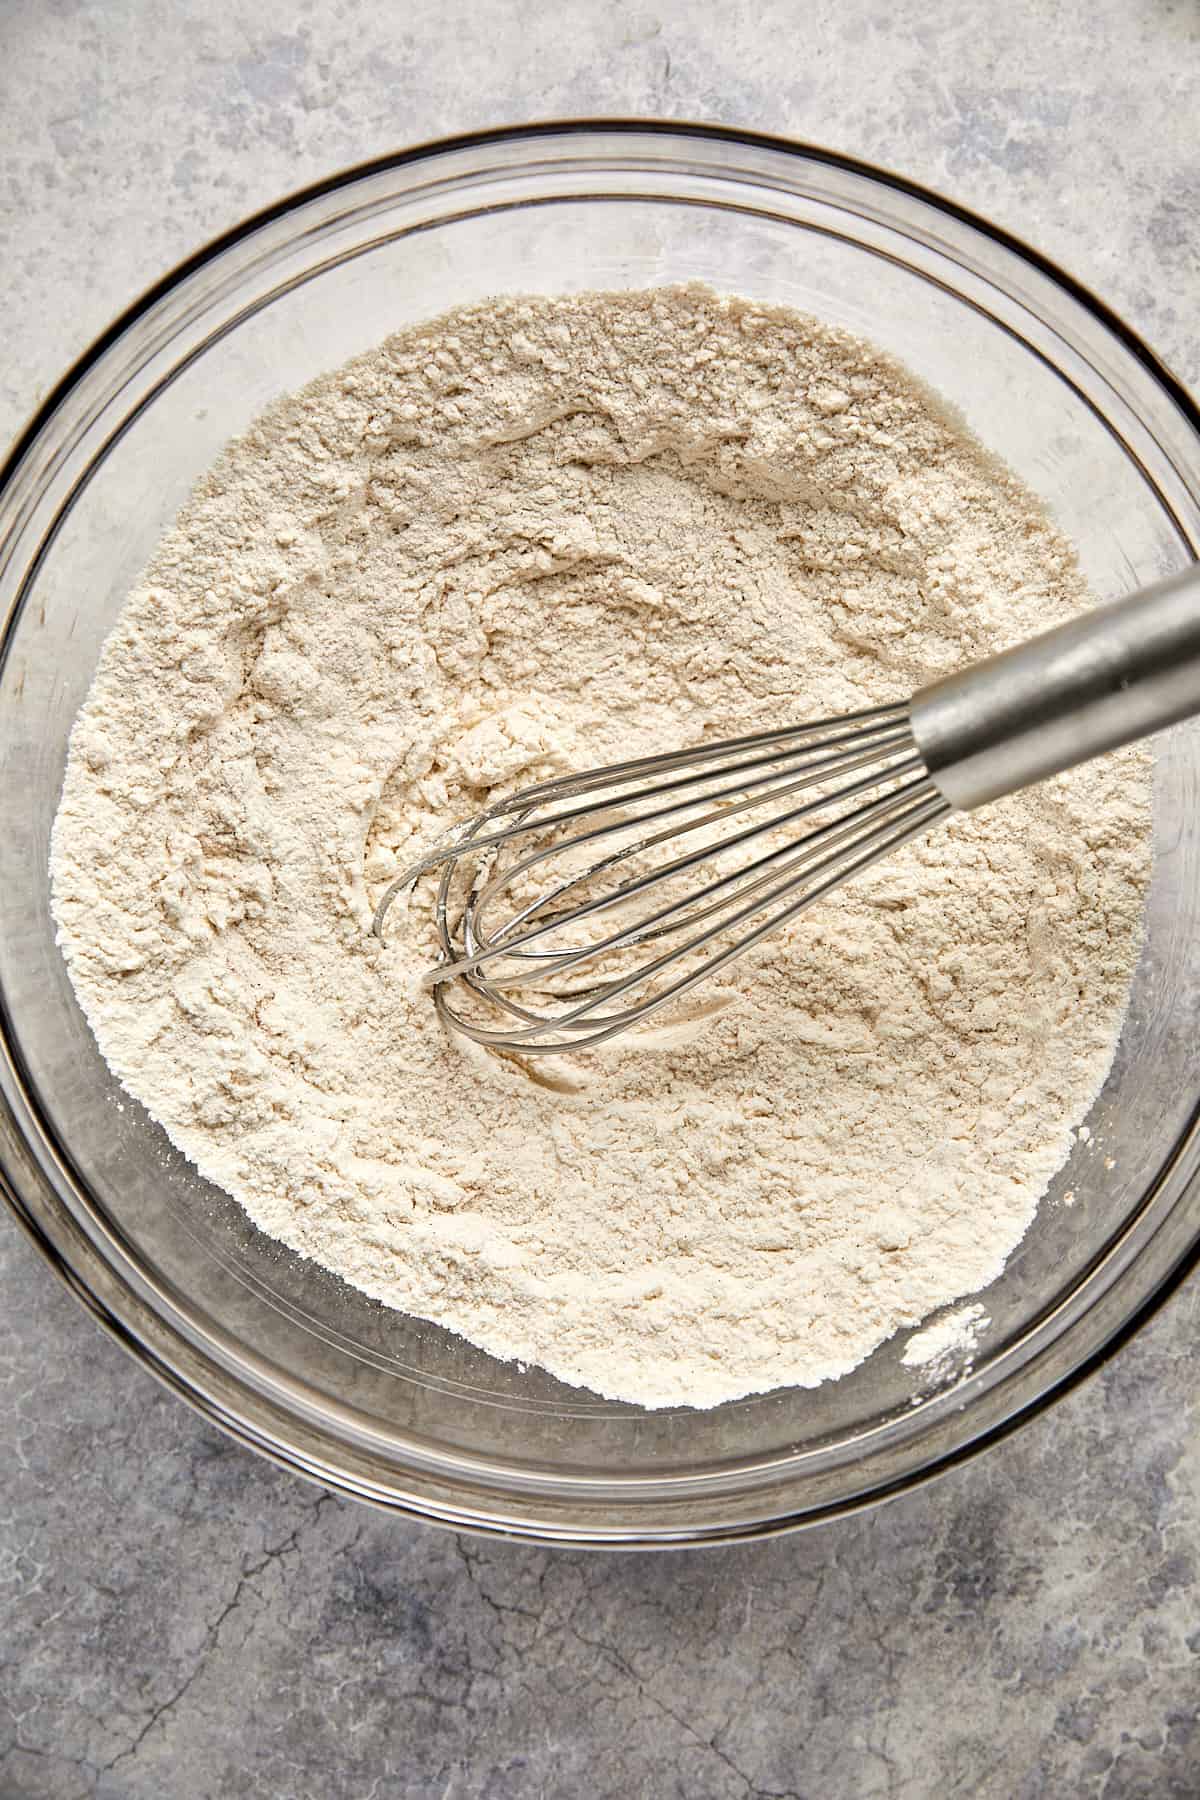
x: 543, y: 534
x: 951, y: 1338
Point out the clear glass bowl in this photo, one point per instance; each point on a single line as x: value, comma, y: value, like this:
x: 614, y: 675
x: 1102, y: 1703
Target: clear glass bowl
x: 375, y: 1403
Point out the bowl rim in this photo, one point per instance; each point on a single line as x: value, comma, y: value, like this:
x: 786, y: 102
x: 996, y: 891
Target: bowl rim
x: 620, y: 124
x: 187, y: 1370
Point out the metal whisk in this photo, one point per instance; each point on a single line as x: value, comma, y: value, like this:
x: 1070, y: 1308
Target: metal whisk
x: 580, y: 907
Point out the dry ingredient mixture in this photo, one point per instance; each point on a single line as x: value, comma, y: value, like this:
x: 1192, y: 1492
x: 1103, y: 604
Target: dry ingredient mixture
x: 541, y: 534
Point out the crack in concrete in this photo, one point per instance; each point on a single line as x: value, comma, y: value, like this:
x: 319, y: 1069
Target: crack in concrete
x: 473, y: 1563
x: 245, y: 1580
x: 54, y: 1756
x: 621, y: 1663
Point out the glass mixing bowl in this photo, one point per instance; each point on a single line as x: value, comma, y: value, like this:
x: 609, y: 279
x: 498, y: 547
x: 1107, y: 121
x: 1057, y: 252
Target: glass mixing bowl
x: 288, y: 1359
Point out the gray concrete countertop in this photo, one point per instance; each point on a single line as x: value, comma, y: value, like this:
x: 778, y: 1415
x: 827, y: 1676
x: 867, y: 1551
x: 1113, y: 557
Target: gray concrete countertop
x: 181, y: 1621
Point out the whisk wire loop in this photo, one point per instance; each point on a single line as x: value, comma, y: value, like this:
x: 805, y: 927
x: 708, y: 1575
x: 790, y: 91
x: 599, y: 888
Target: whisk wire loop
x: 773, y: 822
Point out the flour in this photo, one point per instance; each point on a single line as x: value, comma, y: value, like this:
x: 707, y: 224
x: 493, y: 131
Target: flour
x: 538, y: 535
x: 948, y: 1342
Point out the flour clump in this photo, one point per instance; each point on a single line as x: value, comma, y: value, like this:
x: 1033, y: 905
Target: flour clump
x: 538, y: 535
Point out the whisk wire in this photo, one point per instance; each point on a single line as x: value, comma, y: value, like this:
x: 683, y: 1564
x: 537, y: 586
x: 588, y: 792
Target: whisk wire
x: 592, y: 1032
x: 778, y: 788
x: 880, y: 726
x: 501, y: 943
x: 782, y: 818
x: 850, y: 832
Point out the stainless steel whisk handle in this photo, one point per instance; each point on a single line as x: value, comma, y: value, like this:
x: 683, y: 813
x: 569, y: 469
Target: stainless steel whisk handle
x: 1117, y: 673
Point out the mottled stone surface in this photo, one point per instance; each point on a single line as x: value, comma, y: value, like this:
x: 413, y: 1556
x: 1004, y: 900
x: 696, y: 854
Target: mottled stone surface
x: 179, y: 1619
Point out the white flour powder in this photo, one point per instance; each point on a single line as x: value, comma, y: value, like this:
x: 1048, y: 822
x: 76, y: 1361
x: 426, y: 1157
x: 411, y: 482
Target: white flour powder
x: 542, y: 534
